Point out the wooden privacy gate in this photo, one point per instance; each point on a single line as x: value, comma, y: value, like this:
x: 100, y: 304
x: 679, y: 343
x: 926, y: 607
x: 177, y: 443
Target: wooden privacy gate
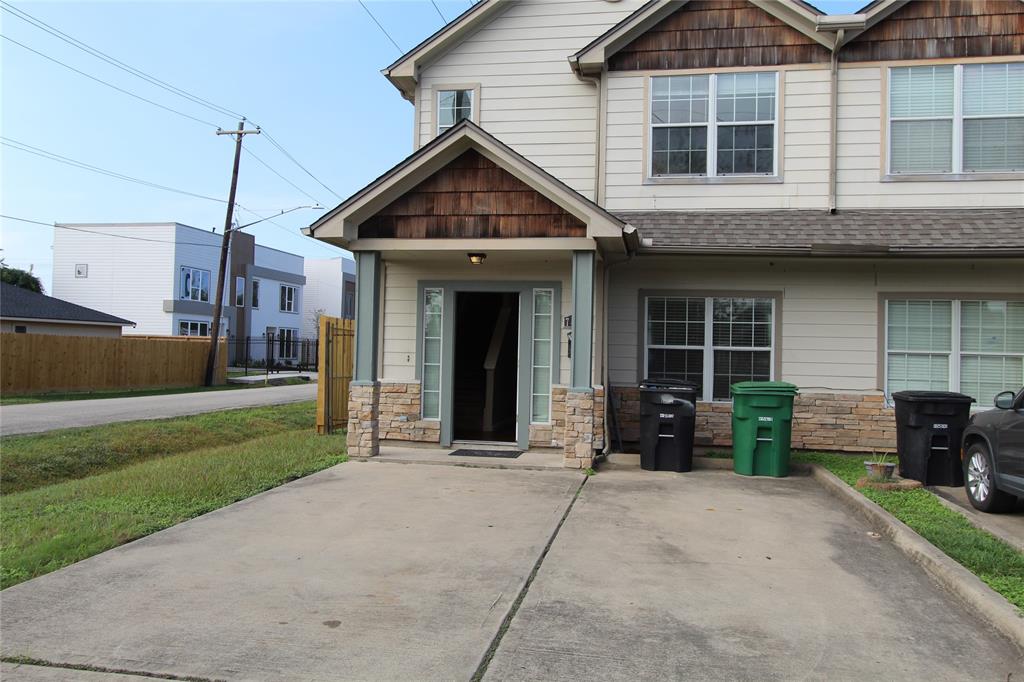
x: 337, y: 355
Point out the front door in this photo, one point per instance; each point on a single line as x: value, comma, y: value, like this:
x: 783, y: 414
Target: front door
x: 485, y: 382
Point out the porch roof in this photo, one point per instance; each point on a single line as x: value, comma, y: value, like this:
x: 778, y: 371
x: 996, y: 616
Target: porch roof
x: 992, y: 232
x: 341, y: 225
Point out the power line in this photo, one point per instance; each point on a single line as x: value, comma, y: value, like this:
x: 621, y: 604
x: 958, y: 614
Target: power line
x: 29, y: 149
x: 110, y: 85
x: 271, y: 169
x: 52, y: 30
x: 383, y: 30
x: 106, y: 234
x: 284, y: 151
x: 439, y: 12
x: 278, y: 225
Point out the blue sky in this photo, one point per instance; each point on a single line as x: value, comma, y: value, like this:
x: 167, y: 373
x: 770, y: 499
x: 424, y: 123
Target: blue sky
x: 309, y: 73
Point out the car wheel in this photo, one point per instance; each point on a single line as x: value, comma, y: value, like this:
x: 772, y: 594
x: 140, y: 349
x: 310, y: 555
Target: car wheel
x: 979, y: 481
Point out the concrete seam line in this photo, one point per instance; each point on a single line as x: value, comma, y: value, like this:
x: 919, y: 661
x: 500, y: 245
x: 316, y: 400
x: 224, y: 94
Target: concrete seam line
x: 513, y: 609
x: 955, y: 578
x: 40, y: 663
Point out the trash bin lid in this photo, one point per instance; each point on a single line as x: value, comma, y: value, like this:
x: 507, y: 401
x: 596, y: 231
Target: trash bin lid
x: 668, y: 383
x: 763, y: 387
x: 932, y: 397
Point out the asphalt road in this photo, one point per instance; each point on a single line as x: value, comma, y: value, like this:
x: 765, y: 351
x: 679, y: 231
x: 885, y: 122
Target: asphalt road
x: 38, y: 417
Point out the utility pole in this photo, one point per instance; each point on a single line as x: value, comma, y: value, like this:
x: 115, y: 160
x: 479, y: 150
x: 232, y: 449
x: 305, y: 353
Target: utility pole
x: 218, y: 301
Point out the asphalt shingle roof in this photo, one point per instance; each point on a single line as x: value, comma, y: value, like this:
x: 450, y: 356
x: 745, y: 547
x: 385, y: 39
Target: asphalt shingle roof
x: 994, y: 232
x: 16, y: 302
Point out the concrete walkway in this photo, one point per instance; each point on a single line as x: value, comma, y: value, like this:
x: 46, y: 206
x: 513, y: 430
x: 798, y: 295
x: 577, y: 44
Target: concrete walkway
x: 1007, y: 527
x: 34, y: 418
x: 359, y: 572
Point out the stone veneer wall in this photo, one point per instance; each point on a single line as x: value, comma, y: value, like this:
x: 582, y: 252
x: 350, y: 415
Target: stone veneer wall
x: 844, y: 422
x: 400, y: 414
x: 579, y: 429
x: 551, y: 435
x: 363, y: 425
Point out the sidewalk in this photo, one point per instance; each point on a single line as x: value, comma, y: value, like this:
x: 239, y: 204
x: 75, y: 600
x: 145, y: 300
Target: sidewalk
x: 39, y: 417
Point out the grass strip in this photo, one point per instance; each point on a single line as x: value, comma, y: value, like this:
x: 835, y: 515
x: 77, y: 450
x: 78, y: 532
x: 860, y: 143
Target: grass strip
x: 36, y: 460
x: 56, y: 525
x: 998, y: 564
x: 100, y: 395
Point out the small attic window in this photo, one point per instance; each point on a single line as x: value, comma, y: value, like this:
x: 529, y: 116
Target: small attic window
x: 453, y: 106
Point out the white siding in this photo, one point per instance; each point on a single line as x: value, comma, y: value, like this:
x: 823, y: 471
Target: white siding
x: 400, y: 305
x: 128, y: 278
x: 803, y: 164
x: 860, y: 144
x: 324, y: 291
x: 267, y: 257
x: 197, y: 248
x: 529, y: 97
x: 829, y: 308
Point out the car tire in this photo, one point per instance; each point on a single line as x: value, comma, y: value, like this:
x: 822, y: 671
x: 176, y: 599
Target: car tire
x: 979, y: 482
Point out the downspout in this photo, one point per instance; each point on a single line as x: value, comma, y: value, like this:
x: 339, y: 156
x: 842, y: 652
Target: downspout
x: 834, y: 114
x: 604, y: 346
x: 598, y: 132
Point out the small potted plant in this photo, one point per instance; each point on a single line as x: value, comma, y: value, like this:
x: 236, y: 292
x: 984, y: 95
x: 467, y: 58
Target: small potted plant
x: 880, y: 468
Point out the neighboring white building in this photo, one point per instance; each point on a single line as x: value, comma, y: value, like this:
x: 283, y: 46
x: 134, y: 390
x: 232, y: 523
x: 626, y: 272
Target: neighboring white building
x: 330, y: 290
x: 164, y: 276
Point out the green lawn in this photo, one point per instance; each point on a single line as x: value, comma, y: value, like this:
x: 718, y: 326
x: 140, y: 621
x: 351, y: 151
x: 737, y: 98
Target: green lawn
x: 998, y: 564
x: 97, y: 395
x: 142, y: 477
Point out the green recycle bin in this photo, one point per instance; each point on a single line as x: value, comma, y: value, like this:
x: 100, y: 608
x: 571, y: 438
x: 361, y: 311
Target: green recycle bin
x: 762, y: 418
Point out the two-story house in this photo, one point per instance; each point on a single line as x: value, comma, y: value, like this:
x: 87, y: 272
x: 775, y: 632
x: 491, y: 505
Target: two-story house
x: 164, y: 276
x: 330, y: 290
x: 603, y: 191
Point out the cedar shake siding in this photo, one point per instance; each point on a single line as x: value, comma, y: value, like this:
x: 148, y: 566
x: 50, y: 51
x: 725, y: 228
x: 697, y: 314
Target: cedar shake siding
x: 936, y: 29
x: 472, y: 198
x: 714, y: 34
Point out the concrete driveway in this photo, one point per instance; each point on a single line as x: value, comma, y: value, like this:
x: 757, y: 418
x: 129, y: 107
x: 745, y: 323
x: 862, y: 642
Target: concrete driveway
x: 38, y: 417
x: 364, y: 571
x: 376, y: 571
x: 713, y: 576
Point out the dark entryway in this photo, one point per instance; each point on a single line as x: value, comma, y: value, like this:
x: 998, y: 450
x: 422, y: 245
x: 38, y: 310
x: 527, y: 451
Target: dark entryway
x: 486, y: 365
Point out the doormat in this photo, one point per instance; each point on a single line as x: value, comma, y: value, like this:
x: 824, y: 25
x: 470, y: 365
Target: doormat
x: 507, y: 454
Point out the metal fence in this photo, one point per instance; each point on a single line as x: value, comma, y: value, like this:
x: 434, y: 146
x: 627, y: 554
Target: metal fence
x: 273, y: 353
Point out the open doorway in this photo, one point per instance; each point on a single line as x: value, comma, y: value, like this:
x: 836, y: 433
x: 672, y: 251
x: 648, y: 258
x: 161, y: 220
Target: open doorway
x: 485, y: 382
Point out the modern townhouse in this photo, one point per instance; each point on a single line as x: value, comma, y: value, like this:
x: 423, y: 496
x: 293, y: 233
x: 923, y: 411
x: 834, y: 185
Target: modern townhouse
x: 330, y: 290
x: 602, y: 191
x: 164, y: 276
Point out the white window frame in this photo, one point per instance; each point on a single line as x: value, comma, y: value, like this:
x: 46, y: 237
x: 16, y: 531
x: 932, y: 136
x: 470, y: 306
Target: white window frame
x: 289, y: 300
x: 552, y: 349
x: 287, y: 337
x: 709, y: 347
x: 437, y: 105
x: 239, y: 292
x: 955, y: 352
x: 199, y: 325
x: 958, y: 118
x: 712, y: 125
x: 254, y: 295
x: 187, y: 296
x: 423, y: 354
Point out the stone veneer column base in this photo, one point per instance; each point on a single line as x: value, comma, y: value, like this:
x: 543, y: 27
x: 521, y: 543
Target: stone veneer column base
x: 363, y: 425
x: 579, y: 429
x: 400, y: 406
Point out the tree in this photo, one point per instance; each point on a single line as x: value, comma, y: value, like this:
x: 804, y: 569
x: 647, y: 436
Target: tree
x: 20, y: 278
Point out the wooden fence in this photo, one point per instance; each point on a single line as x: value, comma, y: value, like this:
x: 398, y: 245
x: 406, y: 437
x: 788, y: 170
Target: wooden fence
x: 41, y: 363
x: 335, y: 364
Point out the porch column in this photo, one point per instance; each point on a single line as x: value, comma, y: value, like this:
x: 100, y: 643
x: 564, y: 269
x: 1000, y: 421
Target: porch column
x: 579, y: 400
x: 364, y: 393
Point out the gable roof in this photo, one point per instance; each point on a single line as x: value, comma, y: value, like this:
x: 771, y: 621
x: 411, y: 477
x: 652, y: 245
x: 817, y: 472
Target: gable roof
x: 340, y: 225
x: 993, y: 232
x: 21, y: 304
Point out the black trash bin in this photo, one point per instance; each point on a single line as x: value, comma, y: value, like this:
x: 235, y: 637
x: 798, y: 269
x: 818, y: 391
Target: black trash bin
x: 667, y: 414
x: 929, y: 428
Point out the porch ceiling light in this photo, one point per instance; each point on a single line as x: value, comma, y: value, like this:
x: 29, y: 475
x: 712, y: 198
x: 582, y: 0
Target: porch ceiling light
x: 476, y: 258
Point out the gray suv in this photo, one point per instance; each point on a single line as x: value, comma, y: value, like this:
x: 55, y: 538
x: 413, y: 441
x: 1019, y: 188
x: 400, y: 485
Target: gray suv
x: 993, y: 454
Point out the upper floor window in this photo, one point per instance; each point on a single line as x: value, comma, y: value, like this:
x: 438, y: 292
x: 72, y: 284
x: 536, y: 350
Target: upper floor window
x: 714, y: 125
x: 195, y: 284
x: 956, y: 118
x: 452, y: 107
x: 288, y: 296
x: 255, y: 293
x: 239, y: 292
